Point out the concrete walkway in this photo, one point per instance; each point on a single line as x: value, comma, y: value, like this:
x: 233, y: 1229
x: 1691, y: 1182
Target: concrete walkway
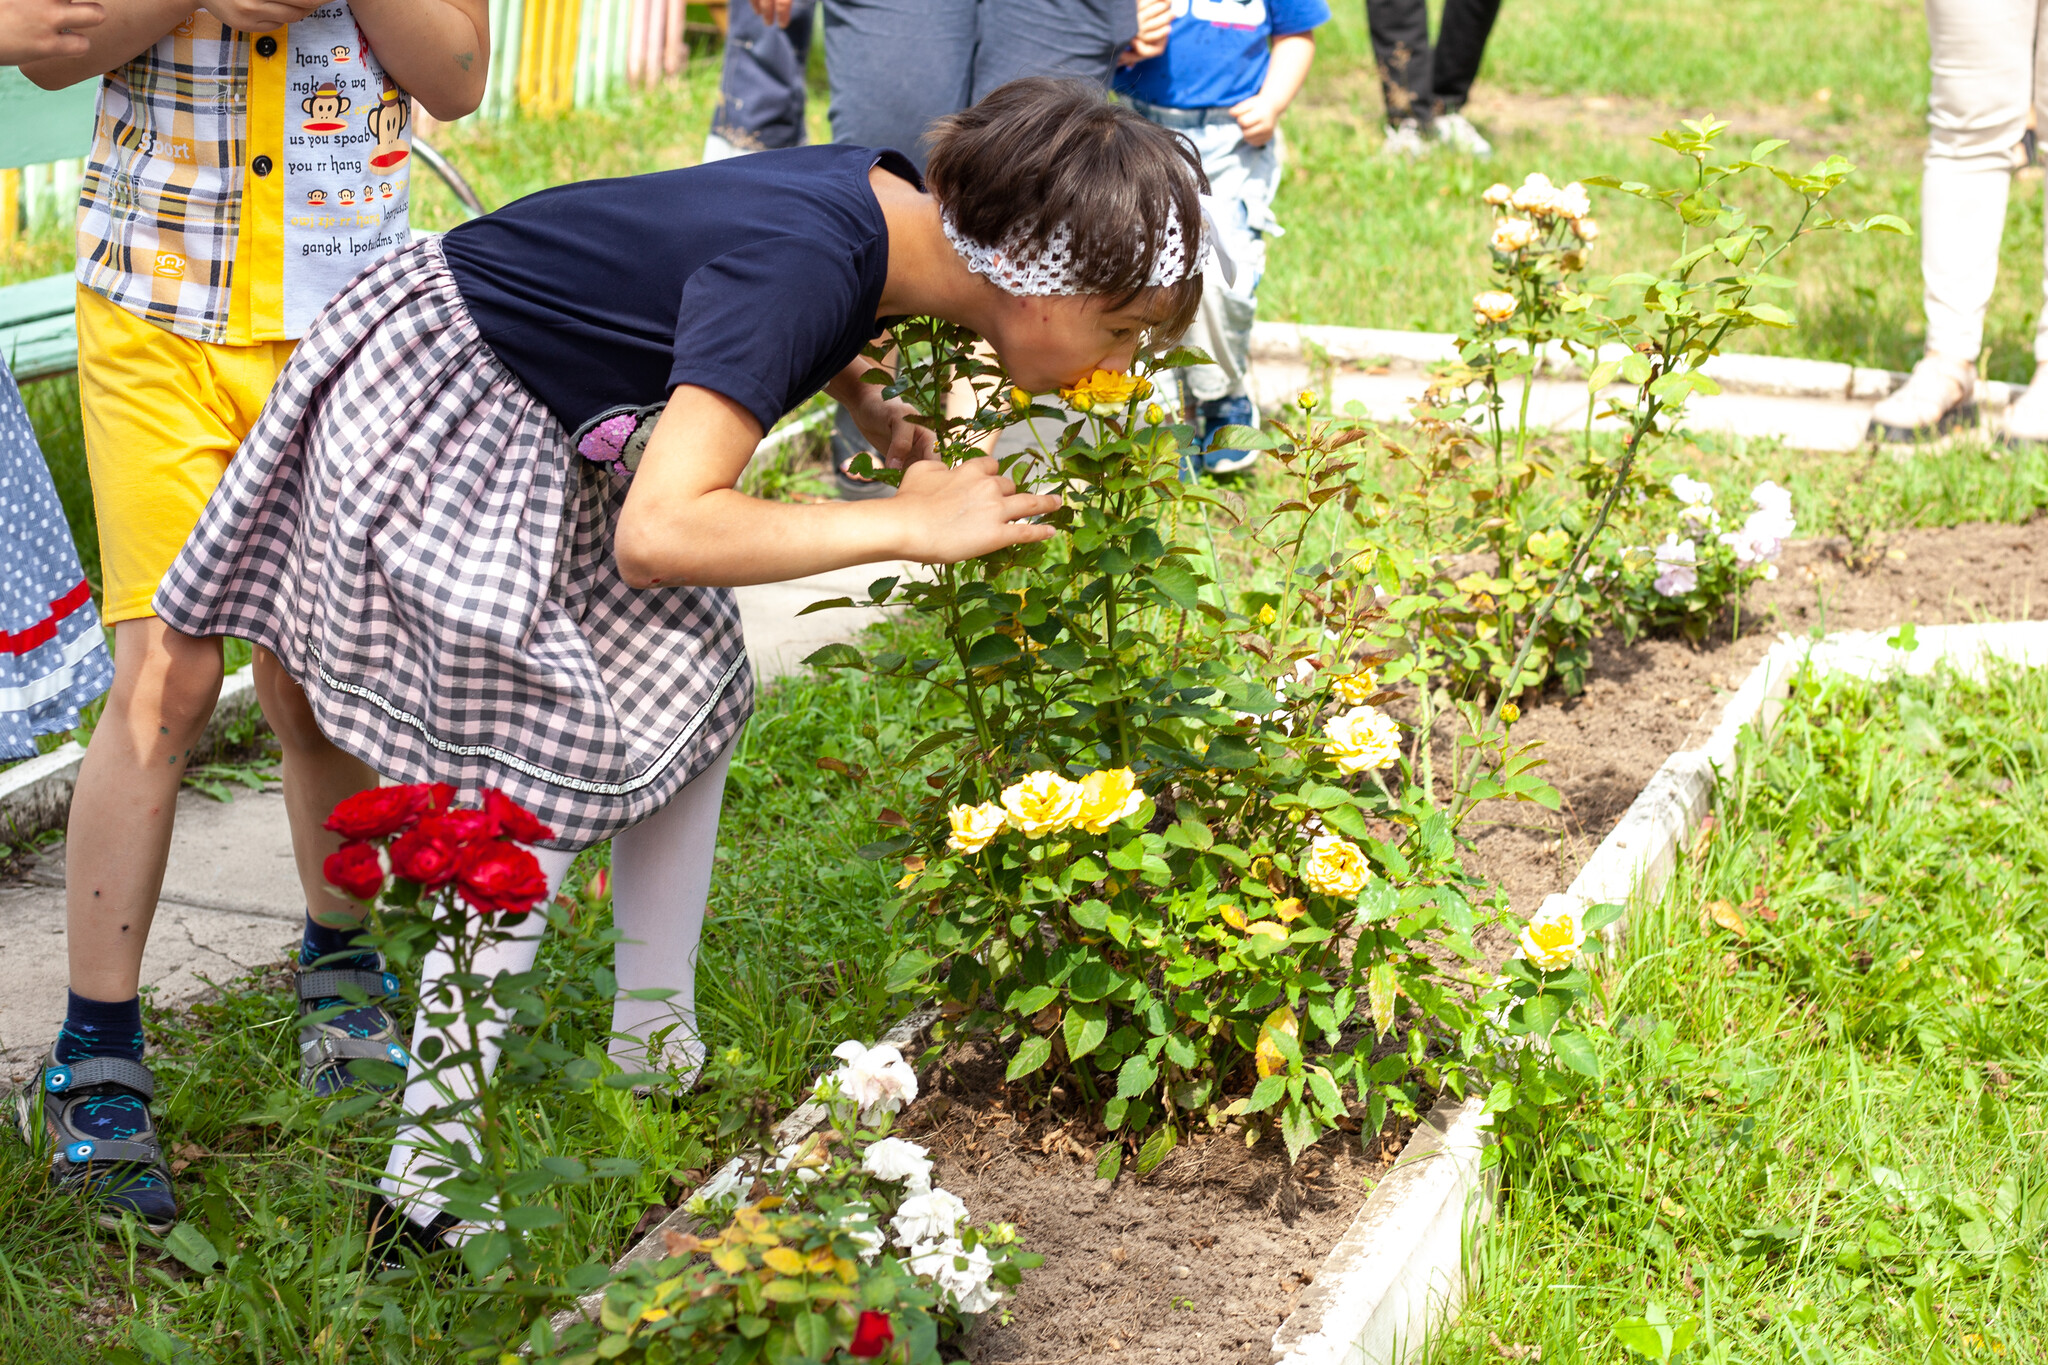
x: 231, y: 899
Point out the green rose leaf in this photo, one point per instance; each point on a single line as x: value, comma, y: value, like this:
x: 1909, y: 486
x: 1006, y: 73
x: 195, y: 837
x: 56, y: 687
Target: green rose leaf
x: 1084, y: 1028
x: 1136, y: 1077
x: 1575, y: 1050
x: 1034, y: 1053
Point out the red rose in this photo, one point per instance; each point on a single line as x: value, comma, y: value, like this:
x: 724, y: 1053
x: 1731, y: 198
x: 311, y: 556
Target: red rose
x: 422, y: 854
x: 462, y: 826
x: 355, y: 869
x: 514, y: 820
x: 439, y: 795
x: 500, y: 877
x: 872, y: 1335
x: 377, y: 812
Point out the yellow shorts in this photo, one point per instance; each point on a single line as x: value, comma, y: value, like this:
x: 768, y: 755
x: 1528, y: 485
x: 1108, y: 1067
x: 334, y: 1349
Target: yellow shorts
x: 163, y: 416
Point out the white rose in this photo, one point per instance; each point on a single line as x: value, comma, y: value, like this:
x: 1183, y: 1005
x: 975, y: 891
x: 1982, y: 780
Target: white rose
x: 858, y: 1221
x: 876, y: 1078
x: 960, y: 1274
x: 896, y: 1160
x: 929, y: 1217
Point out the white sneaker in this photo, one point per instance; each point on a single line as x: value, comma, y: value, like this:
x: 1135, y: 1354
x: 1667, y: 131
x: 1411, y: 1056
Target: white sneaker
x: 2026, y: 418
x: 1937, y: 397
x: 1405, y: 138
x: 1455, y: 131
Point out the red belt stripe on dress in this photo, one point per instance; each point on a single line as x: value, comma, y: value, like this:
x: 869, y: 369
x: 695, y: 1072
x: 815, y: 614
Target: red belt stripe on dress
x: 45, y: 630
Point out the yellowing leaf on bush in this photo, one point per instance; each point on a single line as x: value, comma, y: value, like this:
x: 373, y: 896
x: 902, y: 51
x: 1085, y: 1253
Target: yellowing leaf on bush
x: 1270, y: 1059
x: 1266, y: 928
x: 783, y: 1261
x: 1380, y: 992
x: 1728, y: 917
x: 732, y: 1260
x: 1289, y: 910
x: 822, y: 1262
x: 1232, y: 916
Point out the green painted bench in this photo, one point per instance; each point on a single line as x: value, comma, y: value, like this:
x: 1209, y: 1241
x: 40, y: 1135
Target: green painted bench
x: 38, y: 324
x: 38, y: 337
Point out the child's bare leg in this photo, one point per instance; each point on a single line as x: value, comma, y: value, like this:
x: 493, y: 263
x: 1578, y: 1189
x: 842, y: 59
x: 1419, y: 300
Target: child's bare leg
x: 165, y: 685
x: 317, y: 777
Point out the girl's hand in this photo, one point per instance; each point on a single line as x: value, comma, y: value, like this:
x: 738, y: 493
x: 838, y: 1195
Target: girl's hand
x: 34, y: 29
x: 886, y: 423
x: 774, y: 13
x: 947, y: 515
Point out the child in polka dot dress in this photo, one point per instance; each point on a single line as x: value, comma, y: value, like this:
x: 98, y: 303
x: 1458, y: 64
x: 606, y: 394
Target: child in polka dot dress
x: 53, y: 658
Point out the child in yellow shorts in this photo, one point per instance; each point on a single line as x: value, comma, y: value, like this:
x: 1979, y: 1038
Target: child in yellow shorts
x: 248, y: 160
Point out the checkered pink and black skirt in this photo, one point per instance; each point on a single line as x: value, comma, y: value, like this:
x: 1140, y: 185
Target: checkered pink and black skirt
x: 409, y: 531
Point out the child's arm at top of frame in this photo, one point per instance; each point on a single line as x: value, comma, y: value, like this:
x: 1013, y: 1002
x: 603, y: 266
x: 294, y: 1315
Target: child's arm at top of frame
x: 31, y: 30
x: 1259, y: 116
x: 437, y: 50
x: 685, y: 522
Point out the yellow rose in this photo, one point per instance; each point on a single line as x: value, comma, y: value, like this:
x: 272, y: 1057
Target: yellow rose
x: 1537, y: 195
x: 1019, y: 398
x: 1497, y: 194
x: 1267, y: 616
x: 1551, y: 939
x: 1043, y: 803
x: 1306, y: 399
x: 1107, y: 386
x: 1154, y: 414
x: 1353, y: 688
x: 1495, y: 305
x: 1510, y: 713
x: 1107, y: 797
x: 1363, y: 737
x: 975, y: 826
x: 1512, y: 234
x: 1586, y: 229
x: 1336, y: 867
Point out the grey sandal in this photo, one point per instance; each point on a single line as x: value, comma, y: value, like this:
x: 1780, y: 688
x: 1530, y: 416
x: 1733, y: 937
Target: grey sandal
x: 93, y: 1119
x: 363, y: 1032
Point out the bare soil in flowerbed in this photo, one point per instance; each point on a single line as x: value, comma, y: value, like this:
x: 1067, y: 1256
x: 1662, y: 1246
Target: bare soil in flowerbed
x: 1647, y: 700
x: 1198, y: 1262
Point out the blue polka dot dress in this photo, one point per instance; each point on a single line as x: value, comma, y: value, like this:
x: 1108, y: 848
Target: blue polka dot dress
x: 53, y: 658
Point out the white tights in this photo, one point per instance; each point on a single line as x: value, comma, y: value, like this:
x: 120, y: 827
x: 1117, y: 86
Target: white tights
x: 660, y: 882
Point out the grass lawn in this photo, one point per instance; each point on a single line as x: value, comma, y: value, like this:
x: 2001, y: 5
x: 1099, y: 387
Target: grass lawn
x: 1820, y: 1134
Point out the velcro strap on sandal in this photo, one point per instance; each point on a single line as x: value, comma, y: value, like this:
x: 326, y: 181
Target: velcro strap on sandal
x: 325, y: 1048
x: 326, y: 982
x: 62, y: 1077
x: 141, y: 1151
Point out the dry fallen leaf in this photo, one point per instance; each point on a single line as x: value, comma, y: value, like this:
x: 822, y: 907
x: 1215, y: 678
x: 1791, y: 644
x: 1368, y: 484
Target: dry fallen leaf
x: 1728, y: 917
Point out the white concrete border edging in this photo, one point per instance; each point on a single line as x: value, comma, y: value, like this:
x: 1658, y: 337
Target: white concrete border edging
x: 1736, y: 372
x: 1399, y: 1272
x: 36, y: 795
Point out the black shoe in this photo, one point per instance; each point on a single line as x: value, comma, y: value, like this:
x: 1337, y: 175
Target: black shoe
x: 848, y: 443
x: 395, y: 1239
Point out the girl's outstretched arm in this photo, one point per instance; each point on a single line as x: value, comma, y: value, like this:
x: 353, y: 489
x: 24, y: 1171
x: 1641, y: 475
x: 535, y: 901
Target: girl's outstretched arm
x: 439, y: 51
x: 686, y: 522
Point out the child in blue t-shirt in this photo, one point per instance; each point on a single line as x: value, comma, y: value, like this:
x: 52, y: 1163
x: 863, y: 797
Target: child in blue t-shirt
x: 1230, y: 69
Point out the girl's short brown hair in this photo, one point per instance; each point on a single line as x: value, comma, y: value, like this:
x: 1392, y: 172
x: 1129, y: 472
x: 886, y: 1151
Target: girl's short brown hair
x: 1041, y: 153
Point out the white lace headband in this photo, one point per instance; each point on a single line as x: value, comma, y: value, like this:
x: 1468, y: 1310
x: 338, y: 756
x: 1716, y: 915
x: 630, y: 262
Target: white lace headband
x: 1015, y: 269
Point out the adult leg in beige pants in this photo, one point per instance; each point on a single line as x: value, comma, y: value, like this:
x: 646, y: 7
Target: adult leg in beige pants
x: 1987, y: 67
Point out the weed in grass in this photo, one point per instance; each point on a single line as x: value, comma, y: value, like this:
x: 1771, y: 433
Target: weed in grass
x: 1820, y: 1134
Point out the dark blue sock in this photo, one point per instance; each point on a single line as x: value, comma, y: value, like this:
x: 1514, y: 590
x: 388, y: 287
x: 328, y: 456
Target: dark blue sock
x: 320, y: 940
x: 365, y: 1021
x: 100, y: 1028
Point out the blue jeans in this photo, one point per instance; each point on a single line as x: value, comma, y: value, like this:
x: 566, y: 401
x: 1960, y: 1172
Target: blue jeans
x: 898, y: 64
x: 761, y: 85
x: 1242, y: 180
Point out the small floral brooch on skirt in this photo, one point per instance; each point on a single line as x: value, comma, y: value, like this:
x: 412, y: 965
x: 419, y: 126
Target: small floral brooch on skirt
x: 616, y: 440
